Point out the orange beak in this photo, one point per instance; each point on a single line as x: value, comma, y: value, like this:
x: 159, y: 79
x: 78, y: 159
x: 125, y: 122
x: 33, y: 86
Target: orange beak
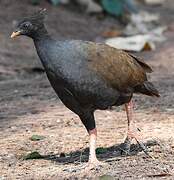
x: 14, y: 34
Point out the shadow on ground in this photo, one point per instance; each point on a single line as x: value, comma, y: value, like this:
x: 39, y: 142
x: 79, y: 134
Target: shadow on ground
x: 109, y: 154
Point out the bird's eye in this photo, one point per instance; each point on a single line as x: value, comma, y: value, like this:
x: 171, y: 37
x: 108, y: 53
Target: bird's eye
x: 26, y: 25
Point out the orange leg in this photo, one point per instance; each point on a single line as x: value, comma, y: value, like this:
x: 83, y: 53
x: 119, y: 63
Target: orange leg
x: 93, y: 162
x: 133, y: 132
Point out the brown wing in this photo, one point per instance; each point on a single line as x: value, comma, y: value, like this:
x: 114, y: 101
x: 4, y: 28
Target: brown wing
x: 119, y: 69
x: 146, y: 67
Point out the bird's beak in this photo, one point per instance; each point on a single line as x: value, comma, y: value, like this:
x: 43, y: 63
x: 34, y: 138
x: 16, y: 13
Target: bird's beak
x: 16, y: 33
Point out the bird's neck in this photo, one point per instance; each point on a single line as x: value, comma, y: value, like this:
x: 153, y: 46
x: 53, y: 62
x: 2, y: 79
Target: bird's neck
x: 40, y: 34
x: 43, y: 43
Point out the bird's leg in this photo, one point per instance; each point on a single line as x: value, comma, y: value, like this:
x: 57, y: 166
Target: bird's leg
x: 92, y: 146
x: 133, y: 132
x: 93, y: 162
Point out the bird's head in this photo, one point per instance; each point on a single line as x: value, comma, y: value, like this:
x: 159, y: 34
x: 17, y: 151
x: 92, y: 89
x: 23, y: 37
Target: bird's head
x: 30, y: 26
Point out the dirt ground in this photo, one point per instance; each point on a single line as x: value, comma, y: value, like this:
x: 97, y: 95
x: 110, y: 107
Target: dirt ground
x: 29, y: 106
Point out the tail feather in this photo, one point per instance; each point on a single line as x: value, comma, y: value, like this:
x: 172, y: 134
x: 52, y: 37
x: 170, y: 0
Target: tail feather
x: 148, y: 89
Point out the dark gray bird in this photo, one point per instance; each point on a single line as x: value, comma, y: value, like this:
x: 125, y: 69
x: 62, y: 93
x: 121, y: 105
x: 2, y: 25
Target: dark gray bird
x: 88, y: 76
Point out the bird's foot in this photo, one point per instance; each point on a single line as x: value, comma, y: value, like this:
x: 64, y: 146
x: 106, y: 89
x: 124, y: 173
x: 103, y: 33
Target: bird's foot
x: 126, y: 146
x: 90, y: 165
x: 94, y: 164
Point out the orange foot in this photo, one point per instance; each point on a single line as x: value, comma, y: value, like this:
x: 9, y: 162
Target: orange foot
x: 90, y: 165
x: 125, y: 147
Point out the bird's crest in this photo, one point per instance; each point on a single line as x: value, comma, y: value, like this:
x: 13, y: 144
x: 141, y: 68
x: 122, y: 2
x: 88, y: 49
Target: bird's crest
x: 36, y: 18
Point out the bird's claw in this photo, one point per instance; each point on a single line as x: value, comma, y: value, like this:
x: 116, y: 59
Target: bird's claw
x: 126, y: 146
x: 143, y: 147
x: 95, y: 164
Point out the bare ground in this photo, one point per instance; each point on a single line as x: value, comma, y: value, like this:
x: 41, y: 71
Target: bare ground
x: 29, y: 106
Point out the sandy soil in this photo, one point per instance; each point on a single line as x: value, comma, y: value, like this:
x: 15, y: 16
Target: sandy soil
x: 29, y: 106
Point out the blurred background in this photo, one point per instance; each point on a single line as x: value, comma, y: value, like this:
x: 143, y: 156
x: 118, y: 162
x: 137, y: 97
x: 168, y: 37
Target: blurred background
x: 29, y: 106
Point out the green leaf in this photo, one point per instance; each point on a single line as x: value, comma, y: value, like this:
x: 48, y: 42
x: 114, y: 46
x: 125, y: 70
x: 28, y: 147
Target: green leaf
x: 32, y: 155
x: 114, y: 7
x: 101, y: 150
x: 37, y: 138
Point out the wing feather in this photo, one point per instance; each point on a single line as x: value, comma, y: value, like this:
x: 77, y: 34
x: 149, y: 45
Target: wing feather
x: 119, y: 69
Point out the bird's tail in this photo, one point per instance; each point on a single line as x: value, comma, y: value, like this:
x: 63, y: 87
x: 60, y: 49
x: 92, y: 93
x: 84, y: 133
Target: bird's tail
x: 148, y: 89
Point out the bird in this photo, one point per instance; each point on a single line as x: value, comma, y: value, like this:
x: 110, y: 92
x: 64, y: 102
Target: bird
x: 89, y: 76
